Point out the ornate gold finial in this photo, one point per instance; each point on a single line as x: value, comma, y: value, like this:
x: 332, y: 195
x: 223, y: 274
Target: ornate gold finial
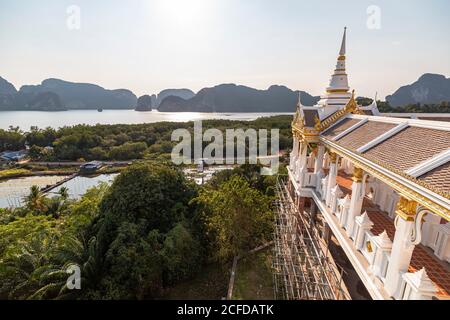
x: 358, y: 174
x: 333, y: 157
x: 406, y: 209
x: 317, y: 123
x: 351, y: 105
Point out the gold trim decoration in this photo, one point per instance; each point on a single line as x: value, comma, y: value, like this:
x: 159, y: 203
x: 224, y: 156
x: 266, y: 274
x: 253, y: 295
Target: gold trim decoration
x: 298, y: 119
x: 391, y: 181
x: 369, y: 246
x: 406, y: 209
x: 333, y: 157
x: 337, y: 91
x: 317, y: 123
x: 409, y: 177
x: 300, y: 131
x: 358, y: 174
x: 350, y: 107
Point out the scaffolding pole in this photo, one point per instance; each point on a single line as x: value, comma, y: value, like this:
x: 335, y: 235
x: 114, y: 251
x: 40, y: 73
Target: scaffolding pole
x: 302, y: 269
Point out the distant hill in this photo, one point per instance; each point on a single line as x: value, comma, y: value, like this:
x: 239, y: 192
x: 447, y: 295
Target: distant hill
x: 6, y: 87
x: 144, y: 103
x: 236, y: 98
x: 56, y: 95
x: 181, y: 93
x: 428, y: 89
x: 84, y: 95
x: 11, y: 99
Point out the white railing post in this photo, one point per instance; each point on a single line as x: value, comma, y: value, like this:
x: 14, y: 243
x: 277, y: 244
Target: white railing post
x: 362, y: 224
x: 343, y: 207
x: 382, y: 251
x: 324, y: 188
x: 336, y: 193
x: 319, y: 177
x: 417, y: 286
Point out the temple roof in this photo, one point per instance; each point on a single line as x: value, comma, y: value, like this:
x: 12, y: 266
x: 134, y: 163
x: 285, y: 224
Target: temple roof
x: 405, y: 145
x: 412, y: 154
x: 439, y: 177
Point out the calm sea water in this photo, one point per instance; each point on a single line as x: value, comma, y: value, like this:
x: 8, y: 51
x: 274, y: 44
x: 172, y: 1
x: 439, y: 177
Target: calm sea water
x: 26, y: 119
x: 79, y: 185
x: 12, y: 192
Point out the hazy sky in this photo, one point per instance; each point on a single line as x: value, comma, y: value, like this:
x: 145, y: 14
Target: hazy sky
x: 151, y: 45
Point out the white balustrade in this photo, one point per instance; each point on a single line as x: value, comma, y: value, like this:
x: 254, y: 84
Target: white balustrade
x: 310, y: 161
x: 442, y: 245
x: 367, y: 248
x: 336, y: 194
x: 430, y: 227
x: 292, y: 161
x: 308, y: 179
x: 382, y: 247
x: 343, y: 207
x: 417, y: 286
x: 319, y: 177
x: 363, y: 224
x: 324, y: 183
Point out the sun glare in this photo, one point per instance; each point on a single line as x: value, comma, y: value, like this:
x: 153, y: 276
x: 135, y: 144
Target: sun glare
x: 182, y: 12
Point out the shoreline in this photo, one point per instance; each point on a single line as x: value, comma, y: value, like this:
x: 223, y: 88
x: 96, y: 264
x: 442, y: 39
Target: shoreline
x: 75, y: 171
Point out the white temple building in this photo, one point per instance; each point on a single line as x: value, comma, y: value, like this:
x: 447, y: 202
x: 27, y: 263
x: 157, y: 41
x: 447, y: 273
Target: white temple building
x: 368, y: 191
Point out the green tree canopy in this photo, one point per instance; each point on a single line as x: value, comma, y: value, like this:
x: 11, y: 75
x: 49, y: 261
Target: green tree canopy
x: 237, y: 217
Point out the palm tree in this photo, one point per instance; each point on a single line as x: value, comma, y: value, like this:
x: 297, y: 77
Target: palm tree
x: 38, y: 270
x: 64, y: 193
x: 32, y: 269
x: 78, y: 251
x: 35, y: 201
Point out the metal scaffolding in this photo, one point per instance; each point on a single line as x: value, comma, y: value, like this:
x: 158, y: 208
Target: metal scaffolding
x: 302, y: 266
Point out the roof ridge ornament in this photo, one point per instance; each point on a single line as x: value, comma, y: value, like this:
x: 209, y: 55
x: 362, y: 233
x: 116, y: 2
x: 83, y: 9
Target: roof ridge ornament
x: 298, y: 117
x: 350, y: 107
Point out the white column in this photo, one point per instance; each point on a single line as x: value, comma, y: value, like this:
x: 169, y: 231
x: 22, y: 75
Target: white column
x: 319, y: 159
x: 294, y: 154
x: 402, y: 247
x: 301, y: 162
x: 331, y: 177
x: 356, y: 200
x: 298, y: 160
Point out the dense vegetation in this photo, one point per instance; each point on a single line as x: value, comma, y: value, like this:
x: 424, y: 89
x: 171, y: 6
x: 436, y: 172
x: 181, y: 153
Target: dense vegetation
x: 121, y: 142
x: 385, y: 107
x: 126, y: 142
x: 149, y: 231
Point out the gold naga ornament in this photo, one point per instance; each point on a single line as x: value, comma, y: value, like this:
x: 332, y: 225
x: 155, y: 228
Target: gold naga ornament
x: 350, y: 107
